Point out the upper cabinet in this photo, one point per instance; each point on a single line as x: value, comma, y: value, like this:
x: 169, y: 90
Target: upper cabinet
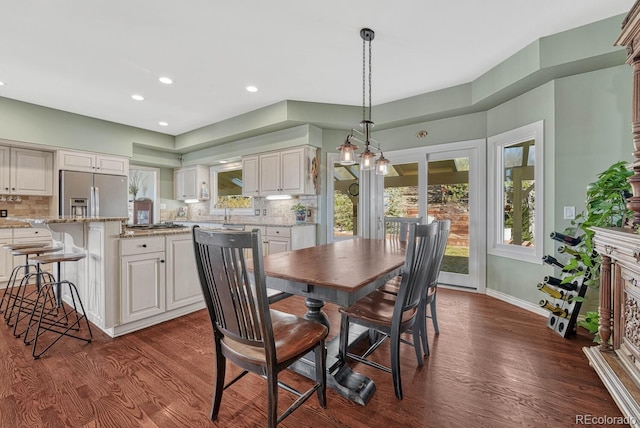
x: 91, y: 162
x: 191, y: 182
x: 287, y: 172
x: 25, y: 171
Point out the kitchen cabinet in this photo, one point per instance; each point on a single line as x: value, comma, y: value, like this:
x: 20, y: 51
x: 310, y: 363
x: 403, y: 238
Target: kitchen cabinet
x: 191, y: 182
x: 6, y: 259
x: 183, y: 282
x: 250, y: 175
x: 25, y: 171
x: 285, y: 172
x: 142, y: 278
x: 91, y: 162
x: 19, y: 236
x: 278, y: 239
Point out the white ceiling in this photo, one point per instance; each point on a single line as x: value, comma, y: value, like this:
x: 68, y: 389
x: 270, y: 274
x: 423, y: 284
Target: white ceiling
x: 90, y: 56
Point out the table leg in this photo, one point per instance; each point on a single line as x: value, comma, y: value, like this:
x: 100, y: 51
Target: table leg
x: 340, y: 377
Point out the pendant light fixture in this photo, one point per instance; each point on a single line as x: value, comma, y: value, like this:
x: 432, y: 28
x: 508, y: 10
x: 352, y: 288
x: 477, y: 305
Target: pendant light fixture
x: 347, y: 150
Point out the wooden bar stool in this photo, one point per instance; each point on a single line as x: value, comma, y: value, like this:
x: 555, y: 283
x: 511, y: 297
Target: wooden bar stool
x: 47, y: 318
x: 8, y: 295
x: 22, y: 303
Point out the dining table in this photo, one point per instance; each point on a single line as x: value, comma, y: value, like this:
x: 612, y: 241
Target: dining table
x: 340, y: 272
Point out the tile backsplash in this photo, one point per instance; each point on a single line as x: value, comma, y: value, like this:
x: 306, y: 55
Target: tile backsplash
x: 27, y: 206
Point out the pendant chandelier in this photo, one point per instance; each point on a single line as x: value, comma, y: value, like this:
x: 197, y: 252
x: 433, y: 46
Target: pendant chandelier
x: 347, y: 150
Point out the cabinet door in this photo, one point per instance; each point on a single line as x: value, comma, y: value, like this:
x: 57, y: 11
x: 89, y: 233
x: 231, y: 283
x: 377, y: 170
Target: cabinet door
x: 76, y: 161
x: 112, y: 165
x: 250, y: 176
x: 277, y: 245
x: 183, y: 283
x: 31, y: 172
x: 6, y: 259
x: 186, y: 184
x: 5, y: 155
x: 293, y: 171
x: 142, y: 282
x: 270, y: 174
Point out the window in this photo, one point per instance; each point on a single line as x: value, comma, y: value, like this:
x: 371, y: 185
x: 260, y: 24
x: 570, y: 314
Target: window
x: 226, y: 186
x: 516, y: 193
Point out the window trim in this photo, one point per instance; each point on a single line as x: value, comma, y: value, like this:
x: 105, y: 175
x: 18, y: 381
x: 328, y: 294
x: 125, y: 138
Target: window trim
x: 496, y: 145
x: 213, y: 179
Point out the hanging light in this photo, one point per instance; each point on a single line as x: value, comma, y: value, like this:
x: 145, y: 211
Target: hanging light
x: 347, y: 150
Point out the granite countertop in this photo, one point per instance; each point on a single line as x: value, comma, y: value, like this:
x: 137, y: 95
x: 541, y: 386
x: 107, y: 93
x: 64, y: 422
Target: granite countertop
x: 244, y: 223
x: 60, y: 219
x: 12, y: 224
x: 137, y: 233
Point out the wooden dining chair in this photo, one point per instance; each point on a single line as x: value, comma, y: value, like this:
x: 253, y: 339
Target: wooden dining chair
x: 429, y: 299
x: 245, y: 331
x: 392, y: 315
x: 397, y: 228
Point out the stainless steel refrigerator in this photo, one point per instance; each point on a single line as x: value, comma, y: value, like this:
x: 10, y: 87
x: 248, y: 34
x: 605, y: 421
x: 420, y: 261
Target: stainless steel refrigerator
x: 85, y: 194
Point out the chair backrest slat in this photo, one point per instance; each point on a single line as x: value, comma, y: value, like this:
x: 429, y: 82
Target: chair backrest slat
x: 397, y: 228
x: 238, y: 309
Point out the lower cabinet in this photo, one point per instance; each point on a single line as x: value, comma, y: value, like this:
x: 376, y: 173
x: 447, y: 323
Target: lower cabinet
x: 157, y: 275
x: 142, y: 278
x: 6, y: 259
x: 183, y: 283
x: 20, y: 235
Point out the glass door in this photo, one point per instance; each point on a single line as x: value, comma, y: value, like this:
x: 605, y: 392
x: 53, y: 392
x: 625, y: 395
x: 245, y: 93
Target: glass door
x: 343, y: 187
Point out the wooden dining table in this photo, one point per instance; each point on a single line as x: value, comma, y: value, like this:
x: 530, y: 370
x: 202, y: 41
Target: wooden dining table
x: 340, y: 272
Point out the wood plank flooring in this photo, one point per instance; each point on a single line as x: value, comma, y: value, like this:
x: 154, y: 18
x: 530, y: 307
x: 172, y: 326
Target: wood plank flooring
x: 493, y: 365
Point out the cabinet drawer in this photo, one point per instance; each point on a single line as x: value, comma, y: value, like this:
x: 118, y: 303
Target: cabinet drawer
x: 284, y: 232
x: 5, y: 234
x: 31, y: 232
x: 131, y: 246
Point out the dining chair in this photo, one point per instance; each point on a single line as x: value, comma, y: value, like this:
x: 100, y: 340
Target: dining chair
x: 397, y: 228
x: 429, y: 299
x: 392, y: 315
x: 245, y: 331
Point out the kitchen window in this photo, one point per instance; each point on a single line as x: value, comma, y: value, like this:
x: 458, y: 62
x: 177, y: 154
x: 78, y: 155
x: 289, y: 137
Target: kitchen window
x: 516, y: 193
x: 226, y: 187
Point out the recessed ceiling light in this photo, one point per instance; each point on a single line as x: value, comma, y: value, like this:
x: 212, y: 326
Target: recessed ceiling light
x: 223, y: 161
x: 166, y: 80
x: 163, y: 124
x: 137, y: 97
x: 252, y: 89
x: 1, y: 83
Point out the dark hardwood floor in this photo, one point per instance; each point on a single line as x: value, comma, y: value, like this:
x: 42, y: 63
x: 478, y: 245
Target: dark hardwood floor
x: 493, y: 365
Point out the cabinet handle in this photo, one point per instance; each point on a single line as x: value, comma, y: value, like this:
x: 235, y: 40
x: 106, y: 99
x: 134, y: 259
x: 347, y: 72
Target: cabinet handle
x: 36, y: 232
x: 161, y: 261
x: 144, y: 245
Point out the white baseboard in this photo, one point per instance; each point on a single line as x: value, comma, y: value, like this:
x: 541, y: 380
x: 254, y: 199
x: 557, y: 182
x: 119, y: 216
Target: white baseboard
x: 517, y: 302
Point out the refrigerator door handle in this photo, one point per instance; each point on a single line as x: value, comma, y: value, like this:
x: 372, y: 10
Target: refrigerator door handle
x: 96, y: 213
x: 91, y: 202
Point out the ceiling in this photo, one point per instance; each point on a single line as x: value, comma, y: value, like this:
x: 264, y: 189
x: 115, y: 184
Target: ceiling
x: 90, y: 56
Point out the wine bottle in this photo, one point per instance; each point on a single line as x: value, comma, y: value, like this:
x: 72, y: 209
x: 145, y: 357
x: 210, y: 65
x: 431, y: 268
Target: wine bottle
x: 550, y: 260
x: 563, y: 249
x: 557, y: 282
x: 555, y: 310
x: 566, y: 238
x: 550, y: 291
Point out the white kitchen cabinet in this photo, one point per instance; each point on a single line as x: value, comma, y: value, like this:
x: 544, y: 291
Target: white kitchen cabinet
x: 25, y: 171
x: 91, y: 162
x: 278, y: 239
x: 6, y: 259
x: 250, y: 175
x: 31, y: 235
x: 285, y: 172
x: 191, y: 182
x: 142, y: 278
x: 183, y: 282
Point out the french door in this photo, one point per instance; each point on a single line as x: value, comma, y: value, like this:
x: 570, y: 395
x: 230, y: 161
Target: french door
x: 436, y: 183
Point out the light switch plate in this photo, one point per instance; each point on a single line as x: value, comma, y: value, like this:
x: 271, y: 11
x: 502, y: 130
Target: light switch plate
x: 257, y: 211
x: 569, y: 213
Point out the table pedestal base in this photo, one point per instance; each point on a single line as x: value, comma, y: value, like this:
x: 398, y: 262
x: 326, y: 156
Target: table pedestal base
x: 340, y: 377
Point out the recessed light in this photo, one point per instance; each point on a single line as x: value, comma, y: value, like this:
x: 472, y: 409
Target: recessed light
x: 163, y: 124
x: 223, y: 161
x: 1, y: 83
x: 252, y: 89
x: 166, y: 80
x: 137, y: 97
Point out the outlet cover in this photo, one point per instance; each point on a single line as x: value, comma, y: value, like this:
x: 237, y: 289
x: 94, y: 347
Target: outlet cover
x: 3, y: 213
x: 264, y: 211
x: 257, y: 211
x: 569, y: 213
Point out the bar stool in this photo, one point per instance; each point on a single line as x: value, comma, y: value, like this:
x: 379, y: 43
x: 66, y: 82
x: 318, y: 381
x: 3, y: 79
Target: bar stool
x: 8, y: 294
x: 23, y: 301
x: 46, y: 318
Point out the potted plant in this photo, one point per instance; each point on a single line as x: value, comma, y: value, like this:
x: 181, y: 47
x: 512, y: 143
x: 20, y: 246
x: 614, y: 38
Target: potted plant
x: 300, y: 211
x: 605, y: 207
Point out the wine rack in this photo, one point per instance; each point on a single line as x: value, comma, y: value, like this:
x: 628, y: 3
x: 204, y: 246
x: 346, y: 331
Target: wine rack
x: 559, y: 293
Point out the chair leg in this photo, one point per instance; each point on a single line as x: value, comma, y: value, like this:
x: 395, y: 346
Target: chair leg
x: 395, y: 365
x: 221, y: 366
x: 434, y: 314
x: 272, y: 399
x: 417, y: 336
x: 320, y: 354
x: 344, y: 338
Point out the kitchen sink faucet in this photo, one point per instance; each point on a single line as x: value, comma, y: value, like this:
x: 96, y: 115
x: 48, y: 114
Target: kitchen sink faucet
x: 223, y: 205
